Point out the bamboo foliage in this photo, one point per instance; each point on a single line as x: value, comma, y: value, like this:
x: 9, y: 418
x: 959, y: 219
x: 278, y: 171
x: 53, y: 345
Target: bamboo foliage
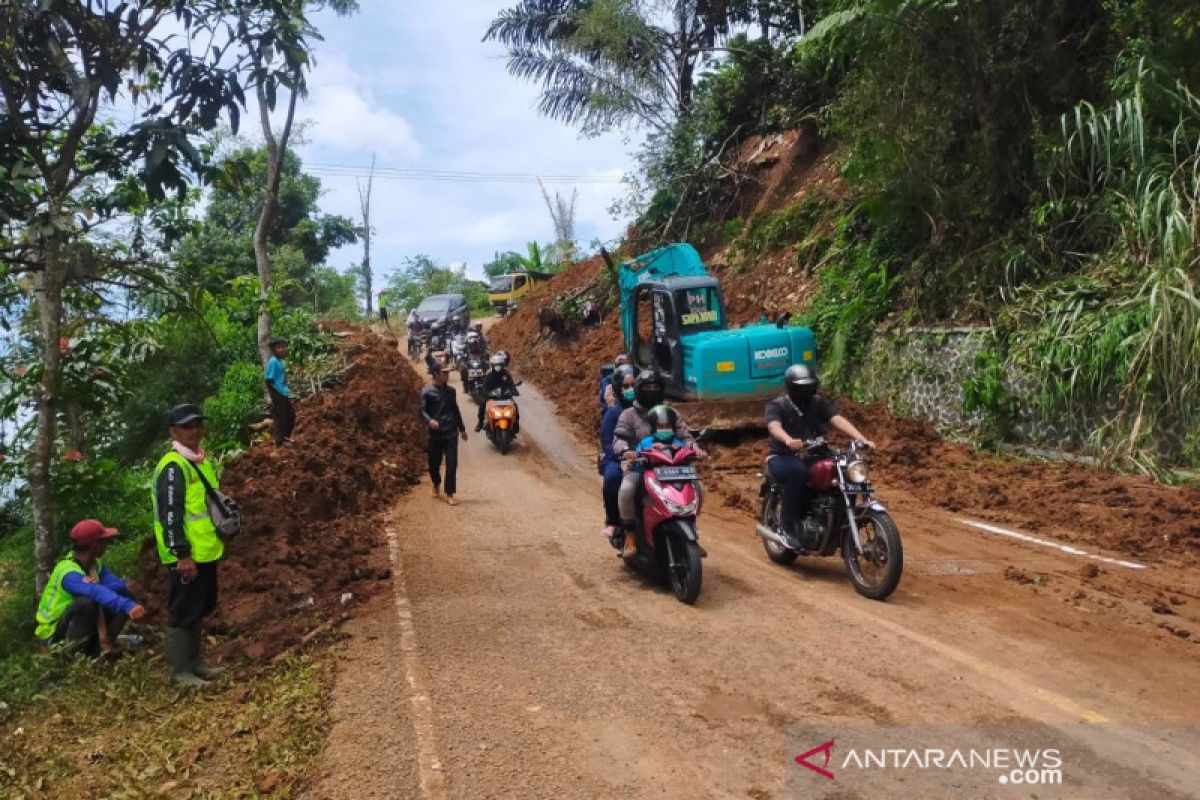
x: 1131, y: 328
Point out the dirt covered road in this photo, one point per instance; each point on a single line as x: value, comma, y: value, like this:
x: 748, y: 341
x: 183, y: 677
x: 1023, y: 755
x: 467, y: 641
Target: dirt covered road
x: 518, y: 658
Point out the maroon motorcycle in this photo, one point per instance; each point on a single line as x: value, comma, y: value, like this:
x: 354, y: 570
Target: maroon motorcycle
x: 665, y: 541
x: 843, y: 515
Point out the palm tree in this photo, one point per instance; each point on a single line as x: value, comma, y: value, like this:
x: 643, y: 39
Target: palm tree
x: 535, y: 260
x: 601, y: 63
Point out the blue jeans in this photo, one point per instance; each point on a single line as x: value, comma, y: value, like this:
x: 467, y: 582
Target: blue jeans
x: 612, y: 485
x: 791, y: 473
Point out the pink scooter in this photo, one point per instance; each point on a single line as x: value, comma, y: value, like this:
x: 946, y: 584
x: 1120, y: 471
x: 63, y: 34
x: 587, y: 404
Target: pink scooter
x: 665, y: 541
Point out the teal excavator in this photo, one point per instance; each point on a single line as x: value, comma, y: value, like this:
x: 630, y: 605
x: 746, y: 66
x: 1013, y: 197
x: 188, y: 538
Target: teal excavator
x: 673, y: 320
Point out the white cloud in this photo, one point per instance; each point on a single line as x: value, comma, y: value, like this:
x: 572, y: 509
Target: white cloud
x: 425, y: 66
x: 345, y: 117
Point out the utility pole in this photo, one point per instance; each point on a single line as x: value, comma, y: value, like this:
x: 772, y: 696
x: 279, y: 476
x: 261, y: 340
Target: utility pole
x: 364, y: 202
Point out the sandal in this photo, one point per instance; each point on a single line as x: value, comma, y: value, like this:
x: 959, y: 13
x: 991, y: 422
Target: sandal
x: 450, y: 501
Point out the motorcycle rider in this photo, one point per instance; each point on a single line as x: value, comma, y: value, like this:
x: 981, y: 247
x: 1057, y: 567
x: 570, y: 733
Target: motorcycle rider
x: 800, y: 414
x: 632, y: 427
x: 663, y: 419
x: 623, y: 379
x: 608, y: 392
x: 497, y: 378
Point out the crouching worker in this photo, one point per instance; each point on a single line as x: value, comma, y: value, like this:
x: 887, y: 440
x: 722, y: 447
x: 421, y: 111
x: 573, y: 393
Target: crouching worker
x: 188, y: 543
x: 85, y: 606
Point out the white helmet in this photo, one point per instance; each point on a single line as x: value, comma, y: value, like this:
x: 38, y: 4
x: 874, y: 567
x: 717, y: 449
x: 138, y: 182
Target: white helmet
x: 497, y: 362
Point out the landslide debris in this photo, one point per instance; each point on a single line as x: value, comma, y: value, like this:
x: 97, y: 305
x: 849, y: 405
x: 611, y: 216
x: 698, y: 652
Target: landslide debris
x: 1127, y: 513
x: 312, y: 513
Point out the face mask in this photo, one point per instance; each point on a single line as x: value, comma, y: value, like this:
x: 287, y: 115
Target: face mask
x: 629, y: 394
x: 664, y: 436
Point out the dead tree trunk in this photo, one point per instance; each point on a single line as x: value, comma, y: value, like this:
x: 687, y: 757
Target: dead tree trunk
x: 364, y: 202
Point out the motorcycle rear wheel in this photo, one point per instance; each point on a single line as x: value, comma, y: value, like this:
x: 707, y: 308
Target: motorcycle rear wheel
x: 876, y: 573
x: 770, y: 518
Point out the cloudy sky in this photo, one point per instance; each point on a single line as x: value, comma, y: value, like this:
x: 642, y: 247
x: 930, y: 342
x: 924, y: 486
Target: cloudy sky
x: 410, y: 82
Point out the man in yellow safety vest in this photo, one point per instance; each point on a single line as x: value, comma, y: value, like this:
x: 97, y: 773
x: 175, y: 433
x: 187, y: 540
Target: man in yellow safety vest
x: 85, y: 606
x: 188, y: 543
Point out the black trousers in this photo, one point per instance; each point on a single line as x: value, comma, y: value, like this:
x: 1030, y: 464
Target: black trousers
x: 188, y: 603
x: 79, y: 627
x: 444, y: 447
x: 284, y: 415
x: 791, y: 473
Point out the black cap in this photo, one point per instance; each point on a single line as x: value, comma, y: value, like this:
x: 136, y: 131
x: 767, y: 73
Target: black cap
x: 276, y: 341
x: 184, y: 414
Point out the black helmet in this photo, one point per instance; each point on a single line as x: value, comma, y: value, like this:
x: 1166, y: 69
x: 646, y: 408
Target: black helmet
x: 649, y: 389
x: 802, y: 382
x: 663, y: 416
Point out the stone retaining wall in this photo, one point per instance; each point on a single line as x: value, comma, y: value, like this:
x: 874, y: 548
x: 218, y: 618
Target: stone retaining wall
x: 920, y: 372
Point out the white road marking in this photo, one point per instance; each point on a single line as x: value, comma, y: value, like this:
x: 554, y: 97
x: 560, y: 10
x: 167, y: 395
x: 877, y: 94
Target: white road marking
x: 1075, y: 551
x: 429, y: 766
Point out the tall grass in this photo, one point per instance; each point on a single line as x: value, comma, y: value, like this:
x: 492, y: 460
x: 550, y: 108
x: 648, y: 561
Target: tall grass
x: 1128, y: 327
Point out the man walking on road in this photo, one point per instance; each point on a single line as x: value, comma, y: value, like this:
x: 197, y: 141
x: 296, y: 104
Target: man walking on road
x: 188, y: 543
x: 439, y: 408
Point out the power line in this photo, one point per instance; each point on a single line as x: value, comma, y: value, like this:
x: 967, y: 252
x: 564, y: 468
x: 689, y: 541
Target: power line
x: 454, y: 176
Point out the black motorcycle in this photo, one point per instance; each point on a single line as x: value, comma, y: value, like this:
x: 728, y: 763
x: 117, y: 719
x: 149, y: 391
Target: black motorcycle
x: 472, y: 374
x: 843, y: 515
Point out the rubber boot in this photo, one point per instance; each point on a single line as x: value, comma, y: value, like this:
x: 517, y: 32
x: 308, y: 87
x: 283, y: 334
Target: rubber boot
x: 199, y: 668
x: 179, y: 654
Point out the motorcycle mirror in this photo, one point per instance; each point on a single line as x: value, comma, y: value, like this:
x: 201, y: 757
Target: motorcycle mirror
x: 783, y: 319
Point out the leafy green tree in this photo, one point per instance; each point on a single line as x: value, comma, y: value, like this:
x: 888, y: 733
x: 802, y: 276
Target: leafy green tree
x: 300, y: 239
x: 503, y: 264
x: 68, y: 169
x: 421, y: 277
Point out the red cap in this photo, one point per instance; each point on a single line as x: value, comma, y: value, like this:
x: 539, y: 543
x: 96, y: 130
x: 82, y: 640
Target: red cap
x: 90, y: 531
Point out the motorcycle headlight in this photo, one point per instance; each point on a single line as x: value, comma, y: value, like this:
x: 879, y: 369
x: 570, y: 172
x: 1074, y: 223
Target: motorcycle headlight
x: 677, y: 509
x: 857, y: 472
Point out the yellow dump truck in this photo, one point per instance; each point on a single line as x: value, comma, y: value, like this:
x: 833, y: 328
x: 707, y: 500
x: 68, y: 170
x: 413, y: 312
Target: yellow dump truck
x: 506, y: 291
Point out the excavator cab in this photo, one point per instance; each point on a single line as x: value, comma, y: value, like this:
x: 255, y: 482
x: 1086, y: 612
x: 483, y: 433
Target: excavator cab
x: 674, y: 320
x: 664, y: 312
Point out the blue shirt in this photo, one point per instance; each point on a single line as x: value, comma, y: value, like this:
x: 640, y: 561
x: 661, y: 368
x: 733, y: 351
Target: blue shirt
x: 649, y: 442
x: 275, y: 376
x: 108, y: 592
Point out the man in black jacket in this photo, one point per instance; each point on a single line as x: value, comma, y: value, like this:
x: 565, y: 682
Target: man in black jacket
x: 439, y: 407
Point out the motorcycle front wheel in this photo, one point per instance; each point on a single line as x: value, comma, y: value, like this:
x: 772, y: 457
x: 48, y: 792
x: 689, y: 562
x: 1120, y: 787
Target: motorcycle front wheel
x: 875, y: 572
x: 770, y: 519
x: 686, y: 576
x: 503, y: 440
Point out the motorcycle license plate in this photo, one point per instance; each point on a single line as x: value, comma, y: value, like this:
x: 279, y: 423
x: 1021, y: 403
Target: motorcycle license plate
x: 475, y: 373
x: 676, y: 473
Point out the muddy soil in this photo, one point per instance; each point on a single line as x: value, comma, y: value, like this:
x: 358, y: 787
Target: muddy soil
x: 525, y: 661
x: 1126, y: 513
x: 311, y: 511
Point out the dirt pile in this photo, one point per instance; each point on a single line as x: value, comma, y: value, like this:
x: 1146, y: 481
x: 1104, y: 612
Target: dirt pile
x: 312, y: 513
x: 561, y: 369
x: 1127, y: 513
